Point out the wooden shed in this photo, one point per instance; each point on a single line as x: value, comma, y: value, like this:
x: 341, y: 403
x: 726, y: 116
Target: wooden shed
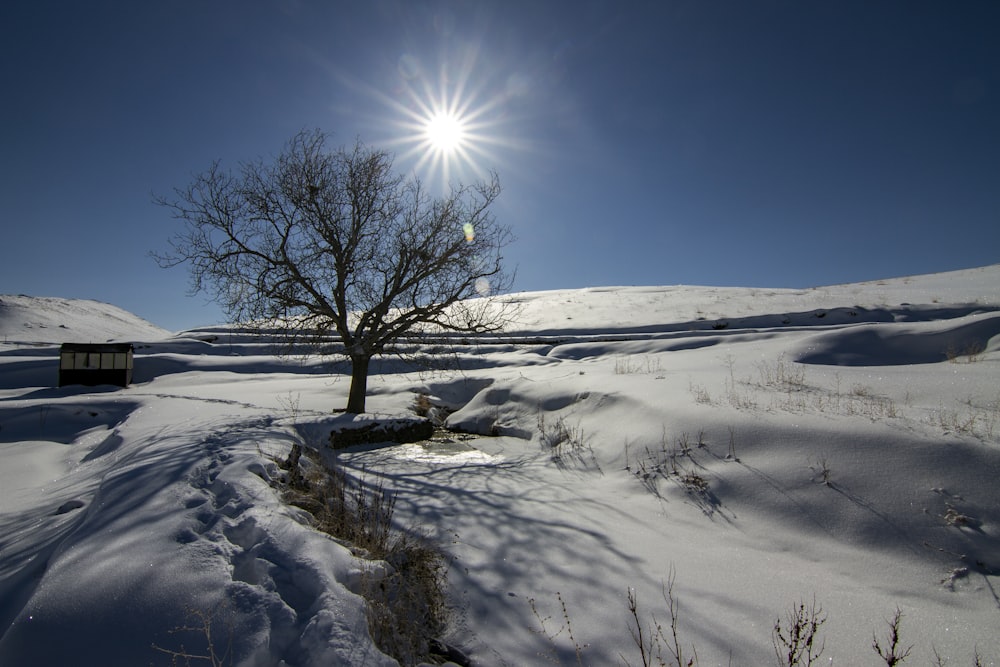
x: 92, y: 364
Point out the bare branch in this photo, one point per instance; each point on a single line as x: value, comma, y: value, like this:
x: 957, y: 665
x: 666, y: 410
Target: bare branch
x: 321, y: 240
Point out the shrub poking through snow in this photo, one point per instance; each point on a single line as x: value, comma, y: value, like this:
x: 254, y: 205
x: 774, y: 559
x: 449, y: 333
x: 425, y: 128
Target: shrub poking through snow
x: 406, y: 605
x: 628, y: 365
x: 565, y: 444
x: 656, y: 645
x: 552, y: 635
x: 782, y: 375
x: 891, y: 653
x: 202, y: 627
x: 665, y: 462
x: 422, y: 405
x: 969, y: 353
x: 821, y: 472
x: 795, y: 642
x: 694, y: 482
x: 404, y: 586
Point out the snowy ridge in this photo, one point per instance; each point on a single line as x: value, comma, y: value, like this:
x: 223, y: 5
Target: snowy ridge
x: 684, y: 307
x: 33, y: 319
x: 767, y: 445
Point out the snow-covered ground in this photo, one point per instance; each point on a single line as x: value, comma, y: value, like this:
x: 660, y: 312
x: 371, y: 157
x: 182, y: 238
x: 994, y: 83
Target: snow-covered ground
x: 30, y: 319
x: 767, y: 446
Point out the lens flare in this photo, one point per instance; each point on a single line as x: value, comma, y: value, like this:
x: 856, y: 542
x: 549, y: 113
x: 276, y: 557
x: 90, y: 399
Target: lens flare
x: 470, y: 232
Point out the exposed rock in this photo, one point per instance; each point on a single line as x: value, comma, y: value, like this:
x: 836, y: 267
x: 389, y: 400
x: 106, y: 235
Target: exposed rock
x: 69, y: 506
x: 398, y: 431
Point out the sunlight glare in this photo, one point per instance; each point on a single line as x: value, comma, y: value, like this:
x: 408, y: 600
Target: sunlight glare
x: 445, y: 132
x: 447, y: 126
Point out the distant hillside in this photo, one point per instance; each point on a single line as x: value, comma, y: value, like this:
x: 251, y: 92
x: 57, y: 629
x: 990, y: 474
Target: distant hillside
x: 35, y: 319
x: 689, y: 307
x: 591, y: 310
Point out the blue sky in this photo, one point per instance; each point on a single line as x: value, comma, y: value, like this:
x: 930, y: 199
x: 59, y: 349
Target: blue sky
x: 707, y: 142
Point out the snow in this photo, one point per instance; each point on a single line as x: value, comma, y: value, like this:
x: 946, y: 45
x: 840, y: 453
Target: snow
x: 848, y: 440
x: 28, y: 319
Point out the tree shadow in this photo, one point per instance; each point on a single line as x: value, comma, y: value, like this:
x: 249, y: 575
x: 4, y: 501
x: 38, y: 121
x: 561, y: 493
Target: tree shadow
x: 61, y: 422
x: 497, y: 519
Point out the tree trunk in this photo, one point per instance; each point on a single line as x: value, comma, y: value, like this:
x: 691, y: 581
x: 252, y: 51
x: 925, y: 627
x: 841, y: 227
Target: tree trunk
x: 359, y: 384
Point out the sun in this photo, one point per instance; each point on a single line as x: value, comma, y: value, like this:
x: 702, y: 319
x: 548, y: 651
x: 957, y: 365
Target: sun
x: 445, y: 133
x: 445, y: 127
x: 448, y: 125
x: 447, y: 137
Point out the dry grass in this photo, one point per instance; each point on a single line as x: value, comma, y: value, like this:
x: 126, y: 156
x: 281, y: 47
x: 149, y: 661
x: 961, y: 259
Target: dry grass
x: 667, y: 461
x: 796, y: 638
x: 552, y: 635
x: 566, y: 445
x: 644, y: 365
x: 406, y: 604
x: 976, y: 419
x: 781, y: 375
x: 201, y: 630
x: 404, y: 586
x: 969, y: 353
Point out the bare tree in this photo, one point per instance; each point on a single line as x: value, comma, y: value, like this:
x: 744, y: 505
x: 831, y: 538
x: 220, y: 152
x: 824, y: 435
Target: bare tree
x: 319, y: 241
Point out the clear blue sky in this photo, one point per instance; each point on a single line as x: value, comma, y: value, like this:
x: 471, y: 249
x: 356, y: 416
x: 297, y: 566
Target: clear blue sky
x: 712, y: 142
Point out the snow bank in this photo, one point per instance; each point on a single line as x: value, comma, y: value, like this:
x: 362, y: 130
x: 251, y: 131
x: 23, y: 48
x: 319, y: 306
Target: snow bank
x: 766, y: 446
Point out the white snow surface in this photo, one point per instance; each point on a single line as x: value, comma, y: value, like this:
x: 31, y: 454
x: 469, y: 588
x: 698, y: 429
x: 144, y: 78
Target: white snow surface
x: 31, y: 319
x: 766, y: 446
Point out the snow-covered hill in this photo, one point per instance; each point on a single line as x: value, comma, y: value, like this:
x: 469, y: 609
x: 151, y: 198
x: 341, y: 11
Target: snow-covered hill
x: 767, y: 446
x: 686, y: 307
x: 34, y: 319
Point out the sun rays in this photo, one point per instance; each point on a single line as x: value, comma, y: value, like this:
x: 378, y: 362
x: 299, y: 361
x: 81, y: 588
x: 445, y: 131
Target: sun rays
x: 440, y: 125
x: 448, y: 129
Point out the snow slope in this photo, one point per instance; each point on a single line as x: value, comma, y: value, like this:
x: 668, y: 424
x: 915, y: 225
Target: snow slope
x: 28, y: 319
x: 766, y: 446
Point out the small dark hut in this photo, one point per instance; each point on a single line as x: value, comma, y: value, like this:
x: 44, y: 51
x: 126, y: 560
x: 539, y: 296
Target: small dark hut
x: 92, y: 364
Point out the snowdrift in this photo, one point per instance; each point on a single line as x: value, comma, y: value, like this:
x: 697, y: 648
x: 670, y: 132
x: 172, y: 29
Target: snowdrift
x: 766, y: 446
